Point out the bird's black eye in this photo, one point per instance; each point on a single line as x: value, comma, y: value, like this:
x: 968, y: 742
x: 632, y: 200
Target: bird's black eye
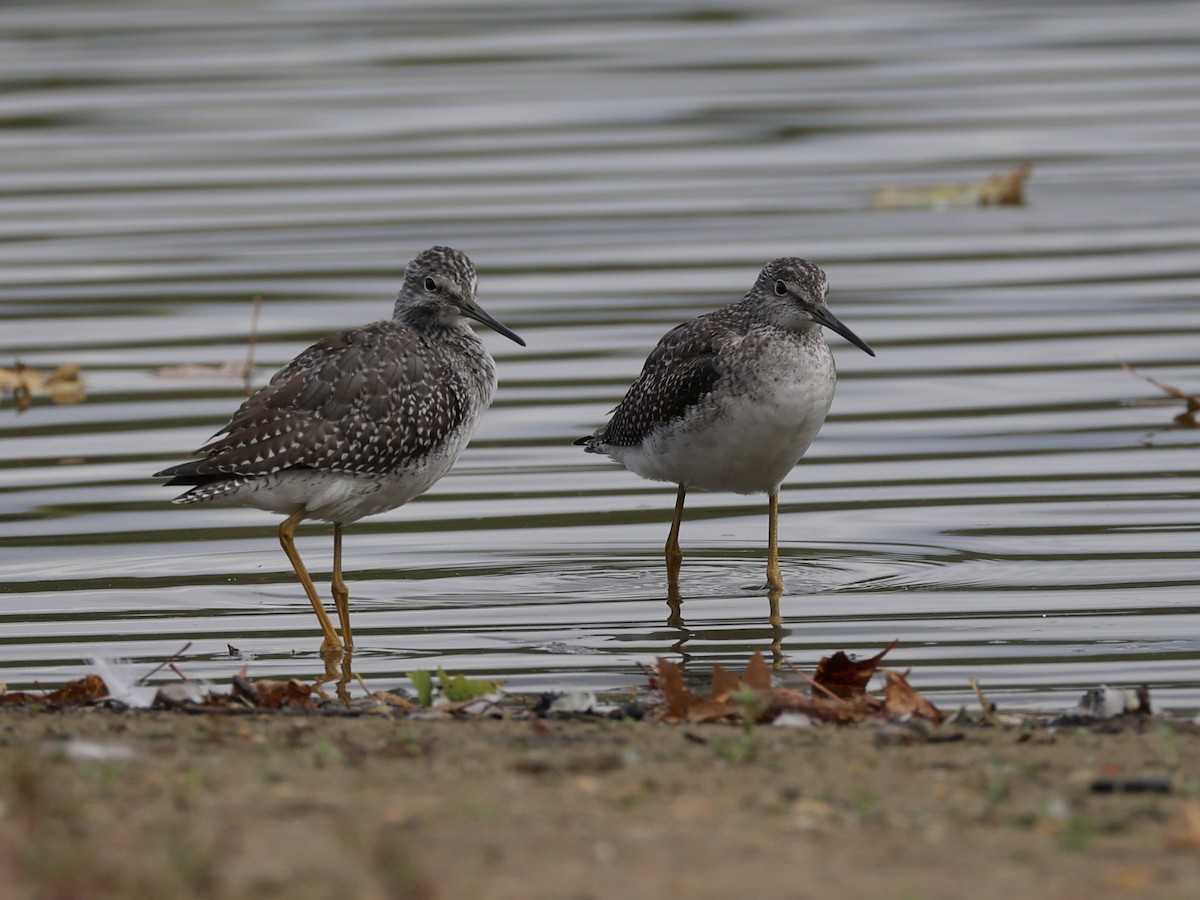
x: 780, y: 288
x: 430, y: 284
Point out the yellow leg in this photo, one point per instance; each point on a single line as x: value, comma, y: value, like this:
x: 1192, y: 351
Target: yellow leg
x: 673, y: 552
x: 287, y: 539
x: 774, y: 580
x: 341, y: 594
x: 774, y: 575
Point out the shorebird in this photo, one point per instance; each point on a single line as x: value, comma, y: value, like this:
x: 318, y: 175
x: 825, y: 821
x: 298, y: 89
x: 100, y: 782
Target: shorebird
x: 730, y: 400
x: 360, y: 422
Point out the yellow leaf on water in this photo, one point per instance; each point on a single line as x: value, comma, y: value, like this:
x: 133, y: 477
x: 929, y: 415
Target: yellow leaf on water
x: 1003, y: 189
x: 63, y: 385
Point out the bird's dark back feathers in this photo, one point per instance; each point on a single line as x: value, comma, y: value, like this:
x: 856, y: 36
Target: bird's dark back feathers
x: 680, y: 372
x: 363, y: 401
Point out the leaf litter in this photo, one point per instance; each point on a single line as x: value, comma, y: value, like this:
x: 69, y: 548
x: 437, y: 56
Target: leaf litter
x: 837, y: 693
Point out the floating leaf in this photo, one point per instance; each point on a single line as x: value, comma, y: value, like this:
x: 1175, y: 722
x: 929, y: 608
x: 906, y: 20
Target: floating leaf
x: 198, y: 371
x: 63, y: 385
x: 1187, y: 418
x: 242, y: 370
x: 1003, y: 189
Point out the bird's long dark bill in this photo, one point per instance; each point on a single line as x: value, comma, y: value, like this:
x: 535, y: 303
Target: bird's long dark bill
x: 833, y: 323
x: 480, y: 316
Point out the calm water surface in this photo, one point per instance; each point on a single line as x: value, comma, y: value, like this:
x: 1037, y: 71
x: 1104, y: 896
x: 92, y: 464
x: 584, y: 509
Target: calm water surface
x: 992, y: 490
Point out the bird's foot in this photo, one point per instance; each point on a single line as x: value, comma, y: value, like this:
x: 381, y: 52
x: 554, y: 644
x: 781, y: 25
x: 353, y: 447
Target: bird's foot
x: 338, y: 672
x: 332, y: 649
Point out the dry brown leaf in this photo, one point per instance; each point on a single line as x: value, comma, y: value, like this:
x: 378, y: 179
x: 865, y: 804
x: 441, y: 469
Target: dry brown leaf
x: 724, y: 683
x: 709, y: 710
x: 733, y: 699
x: 273, y: 694
x: 827, y: 709
x: 721, y: 705
x: 387, y: 698
x: 670, y: 682
x: 845, y: 676
x: 85, y: 690
x: 757, y: 675
x: 901, y: 701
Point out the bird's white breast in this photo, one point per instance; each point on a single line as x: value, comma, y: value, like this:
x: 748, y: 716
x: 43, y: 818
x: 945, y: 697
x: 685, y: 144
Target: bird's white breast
x: 754, y: 426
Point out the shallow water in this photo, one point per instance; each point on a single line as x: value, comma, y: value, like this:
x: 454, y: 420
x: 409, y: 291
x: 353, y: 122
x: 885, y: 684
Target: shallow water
x: 992, y: 490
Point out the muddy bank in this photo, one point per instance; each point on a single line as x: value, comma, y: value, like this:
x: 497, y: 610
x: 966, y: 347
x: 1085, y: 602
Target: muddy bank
x: 95, y: 803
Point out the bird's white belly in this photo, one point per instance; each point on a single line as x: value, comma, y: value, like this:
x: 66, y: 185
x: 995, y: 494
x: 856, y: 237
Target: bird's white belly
x: 745, y: 439
x: 342, y: 496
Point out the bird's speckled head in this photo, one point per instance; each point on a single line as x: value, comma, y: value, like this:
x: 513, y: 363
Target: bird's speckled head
x: 790, y: 293
x: 791, y: 282
x: 440, y: 288
x: 437, y: 275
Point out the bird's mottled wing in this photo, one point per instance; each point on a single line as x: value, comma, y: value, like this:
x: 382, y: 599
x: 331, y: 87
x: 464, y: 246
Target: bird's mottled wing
x: 360, y: 401
x: 679, y: 372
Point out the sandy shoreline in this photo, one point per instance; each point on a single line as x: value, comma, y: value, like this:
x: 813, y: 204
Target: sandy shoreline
x: 97, y: 803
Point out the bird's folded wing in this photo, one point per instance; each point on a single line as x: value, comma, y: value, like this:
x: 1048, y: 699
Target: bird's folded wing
x: 679, y: 372
x: 362, y: 401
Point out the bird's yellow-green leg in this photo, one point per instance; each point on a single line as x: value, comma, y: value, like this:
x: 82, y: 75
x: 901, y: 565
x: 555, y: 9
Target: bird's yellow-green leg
x: 341, y: 594
x: 287, y: 539
x: 774, y: 575
x: 673, y: 552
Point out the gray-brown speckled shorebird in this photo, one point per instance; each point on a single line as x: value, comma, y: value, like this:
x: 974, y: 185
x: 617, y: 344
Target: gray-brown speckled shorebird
x: 731, y: 400
x: 360, y: 422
